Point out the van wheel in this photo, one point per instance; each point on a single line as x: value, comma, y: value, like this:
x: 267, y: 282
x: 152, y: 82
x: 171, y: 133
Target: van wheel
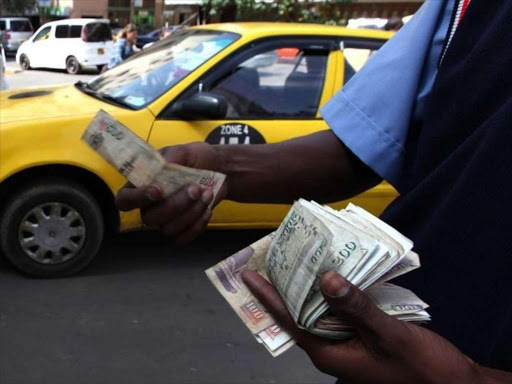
x: 72, y: 66
x: 24, y: 62
x: 51, y: 228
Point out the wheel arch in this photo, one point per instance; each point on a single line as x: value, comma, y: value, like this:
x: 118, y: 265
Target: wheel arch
x: 87, y: 179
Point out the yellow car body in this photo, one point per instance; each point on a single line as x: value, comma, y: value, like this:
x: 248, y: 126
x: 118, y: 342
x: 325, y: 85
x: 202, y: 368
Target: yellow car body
x: 41, y: 129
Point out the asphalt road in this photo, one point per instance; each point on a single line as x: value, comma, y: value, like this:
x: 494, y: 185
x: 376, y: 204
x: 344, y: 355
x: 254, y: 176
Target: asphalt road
x: 143, y: 312
x: 18, y: 79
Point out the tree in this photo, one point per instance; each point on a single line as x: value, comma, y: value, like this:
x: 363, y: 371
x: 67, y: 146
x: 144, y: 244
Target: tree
x: 305, y: 11
x: 18, y: 7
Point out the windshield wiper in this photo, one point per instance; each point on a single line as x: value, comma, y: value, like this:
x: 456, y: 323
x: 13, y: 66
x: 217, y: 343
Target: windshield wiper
x: 86, y: 88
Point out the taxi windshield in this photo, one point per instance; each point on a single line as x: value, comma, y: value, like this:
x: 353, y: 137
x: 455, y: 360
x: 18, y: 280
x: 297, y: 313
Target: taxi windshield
x: 146, y: 76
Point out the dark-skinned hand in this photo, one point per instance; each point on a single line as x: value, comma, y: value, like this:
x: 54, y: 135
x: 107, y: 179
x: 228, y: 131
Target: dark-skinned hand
x: 186, y: 213
x: 384, y: 350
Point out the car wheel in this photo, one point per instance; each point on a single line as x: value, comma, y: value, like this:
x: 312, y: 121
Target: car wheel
x: 72, y: 66
x: 24, y: 62
x: 52, y: 228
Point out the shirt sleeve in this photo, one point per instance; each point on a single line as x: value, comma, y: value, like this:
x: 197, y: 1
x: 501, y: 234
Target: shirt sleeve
x: 116, y: 57
x: 373, y: 111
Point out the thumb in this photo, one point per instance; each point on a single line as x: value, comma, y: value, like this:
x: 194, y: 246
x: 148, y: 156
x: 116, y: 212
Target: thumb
x: 177, y: 154
x: 354, y: 306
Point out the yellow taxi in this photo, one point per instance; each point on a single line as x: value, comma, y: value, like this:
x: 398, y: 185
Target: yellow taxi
x: 57, y: 195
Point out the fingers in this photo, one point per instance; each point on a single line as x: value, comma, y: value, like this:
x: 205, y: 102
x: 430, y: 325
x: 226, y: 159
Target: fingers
x: 129, y: 197
x: 196, y: 229
x: 354, y: 306
x: 269, y: 297
x: 182, y: 211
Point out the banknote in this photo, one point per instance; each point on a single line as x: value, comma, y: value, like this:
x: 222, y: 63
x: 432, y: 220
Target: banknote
x: 226, y: 277
x: 139, y: 162
x: 311, y: 240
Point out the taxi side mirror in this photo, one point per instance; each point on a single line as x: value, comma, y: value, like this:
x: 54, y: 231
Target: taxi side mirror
x: 202, y: 105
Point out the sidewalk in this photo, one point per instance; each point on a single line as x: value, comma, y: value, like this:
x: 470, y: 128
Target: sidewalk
x: 12, y: 67
x: 12, y: 70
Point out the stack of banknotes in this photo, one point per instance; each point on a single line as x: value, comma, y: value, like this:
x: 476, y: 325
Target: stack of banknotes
x: 139, y: 162
x: 311, y: 240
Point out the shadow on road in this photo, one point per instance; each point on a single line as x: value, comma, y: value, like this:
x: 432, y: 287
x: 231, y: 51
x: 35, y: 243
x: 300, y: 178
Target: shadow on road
x: 152, y: 251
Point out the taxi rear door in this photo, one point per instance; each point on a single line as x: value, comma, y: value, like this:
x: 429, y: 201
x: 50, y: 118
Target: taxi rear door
x: 273, y: 89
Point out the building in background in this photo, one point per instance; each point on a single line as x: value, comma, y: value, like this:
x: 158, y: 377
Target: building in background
x: 383, y: 9
x: 151, y: 14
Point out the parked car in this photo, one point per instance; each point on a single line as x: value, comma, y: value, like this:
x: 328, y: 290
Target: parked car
x: 57, y: 195
x: 15, y: 31
x: 150, y: 37
x: 68, y: 44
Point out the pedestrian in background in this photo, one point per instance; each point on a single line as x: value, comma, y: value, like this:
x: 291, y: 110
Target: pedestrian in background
x: 124, y: 46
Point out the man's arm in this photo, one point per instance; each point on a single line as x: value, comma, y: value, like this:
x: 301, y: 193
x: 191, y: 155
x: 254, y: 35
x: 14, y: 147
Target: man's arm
x: 317, y: 166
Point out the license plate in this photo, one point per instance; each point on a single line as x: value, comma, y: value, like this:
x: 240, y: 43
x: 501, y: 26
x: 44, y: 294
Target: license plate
x: 100, y: 51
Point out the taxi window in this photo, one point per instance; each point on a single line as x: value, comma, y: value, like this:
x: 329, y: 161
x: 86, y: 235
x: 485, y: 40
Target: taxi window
x: 282, y: 83
x: 357, y: 54
x: 144, y: 77
x: 2, y: 25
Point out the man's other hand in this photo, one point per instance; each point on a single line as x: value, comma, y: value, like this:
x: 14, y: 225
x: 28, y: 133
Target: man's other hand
x: 384, y: 350
x: 185, y: 213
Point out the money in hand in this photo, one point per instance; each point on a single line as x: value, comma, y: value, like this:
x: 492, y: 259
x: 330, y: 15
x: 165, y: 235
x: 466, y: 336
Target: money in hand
x: 311, y: 240
x: 139, y: 162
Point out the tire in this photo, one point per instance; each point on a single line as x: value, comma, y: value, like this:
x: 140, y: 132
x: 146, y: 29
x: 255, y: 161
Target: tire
x: 24, y: 62
x: 72, y: 66
x: 51, y: 228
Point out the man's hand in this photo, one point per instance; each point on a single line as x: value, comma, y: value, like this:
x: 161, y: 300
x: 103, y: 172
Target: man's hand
x: 383, y: 350
x: 317, y: 166
x: 184, y: 214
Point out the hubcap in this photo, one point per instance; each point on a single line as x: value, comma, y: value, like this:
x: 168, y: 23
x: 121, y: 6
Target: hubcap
x: 52, y: 233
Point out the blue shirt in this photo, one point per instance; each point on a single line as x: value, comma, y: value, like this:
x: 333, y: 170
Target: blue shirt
x: 120, y: 52
x: 373, y: 111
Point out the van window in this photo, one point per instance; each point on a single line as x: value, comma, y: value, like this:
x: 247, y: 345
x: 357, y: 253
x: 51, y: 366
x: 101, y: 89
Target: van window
x: 21, y: 26
x: 2, y: 25
x: 62, y: 31
x: 98, y: 32
x: 43, y: 34
x: 76, y: 31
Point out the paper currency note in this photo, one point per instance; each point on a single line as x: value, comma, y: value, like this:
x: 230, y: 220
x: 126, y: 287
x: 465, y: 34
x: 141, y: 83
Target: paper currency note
x: 310, y: 240
x: 295, y: 256
x: 226, y: 277
x: 139, y: 162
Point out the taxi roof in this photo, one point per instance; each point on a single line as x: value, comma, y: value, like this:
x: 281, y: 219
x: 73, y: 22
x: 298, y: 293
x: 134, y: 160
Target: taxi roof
x: 270, y: 29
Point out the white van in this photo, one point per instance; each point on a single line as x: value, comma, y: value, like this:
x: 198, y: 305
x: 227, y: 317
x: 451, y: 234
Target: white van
x: 14, y: 31
x: 68, y: 44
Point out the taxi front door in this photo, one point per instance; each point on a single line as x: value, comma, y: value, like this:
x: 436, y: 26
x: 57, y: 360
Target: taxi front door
x: 273, y: 91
